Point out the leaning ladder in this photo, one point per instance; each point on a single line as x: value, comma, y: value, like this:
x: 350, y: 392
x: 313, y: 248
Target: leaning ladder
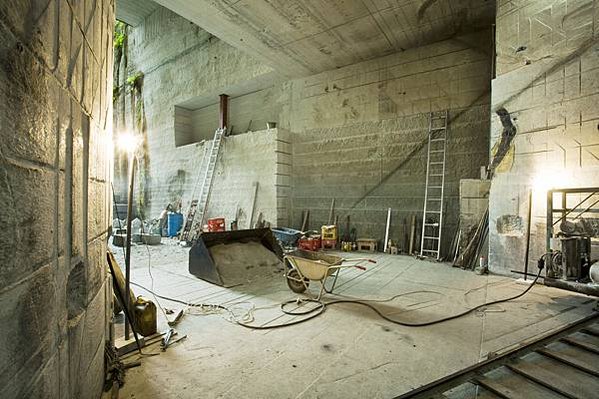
x: 197, y: 208
x: 432, y: 218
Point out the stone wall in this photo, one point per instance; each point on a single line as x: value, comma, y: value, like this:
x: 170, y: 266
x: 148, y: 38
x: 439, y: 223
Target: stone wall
x: 249, y: 112
x: 55, y: 118
x: 547, y: 91
x: 474, y: 202
x: 179, y: 62
x: 357, y: 133
x: 246, y: 160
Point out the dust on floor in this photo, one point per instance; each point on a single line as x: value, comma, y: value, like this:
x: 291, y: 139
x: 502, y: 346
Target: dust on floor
x: 348, y: 352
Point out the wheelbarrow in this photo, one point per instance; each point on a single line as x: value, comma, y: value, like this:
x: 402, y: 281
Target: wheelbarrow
x: 305, y: 266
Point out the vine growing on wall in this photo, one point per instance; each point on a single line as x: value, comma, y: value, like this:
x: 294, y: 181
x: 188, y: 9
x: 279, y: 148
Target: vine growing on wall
x: 129, y: 114
x: 120, y: 46
x: 119, y: 40
x: 134, y: 84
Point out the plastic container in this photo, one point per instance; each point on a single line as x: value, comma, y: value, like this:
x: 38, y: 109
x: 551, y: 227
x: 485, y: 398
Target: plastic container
x: 287, y: 236
x: 329, y: 232
x: 310, y: 243
x: 145, y: 316
x: 174, y: 223
x: 216, y: 224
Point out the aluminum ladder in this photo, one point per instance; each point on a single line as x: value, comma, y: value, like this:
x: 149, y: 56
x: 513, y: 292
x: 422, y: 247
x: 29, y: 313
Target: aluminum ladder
x: 197, y: 208
x: 432, y: 218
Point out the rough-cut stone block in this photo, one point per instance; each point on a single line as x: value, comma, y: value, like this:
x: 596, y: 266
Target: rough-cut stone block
x: 27, y: 213
x: 38, y: 289
x: 28, y: 313
x: 474, y: 188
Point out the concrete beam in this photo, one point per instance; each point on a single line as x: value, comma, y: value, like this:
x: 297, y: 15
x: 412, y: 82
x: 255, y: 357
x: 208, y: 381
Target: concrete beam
x: 304, y: 38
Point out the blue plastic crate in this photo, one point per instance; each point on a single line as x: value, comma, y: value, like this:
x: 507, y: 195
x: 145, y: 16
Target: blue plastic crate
x: 286, y: 236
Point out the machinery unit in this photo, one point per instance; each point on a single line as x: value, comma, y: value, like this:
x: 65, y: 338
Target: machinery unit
x: 572, y: 229
x: 572, y: 262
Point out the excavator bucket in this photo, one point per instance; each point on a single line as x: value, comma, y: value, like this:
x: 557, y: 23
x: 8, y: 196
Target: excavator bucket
x: 230, y: 258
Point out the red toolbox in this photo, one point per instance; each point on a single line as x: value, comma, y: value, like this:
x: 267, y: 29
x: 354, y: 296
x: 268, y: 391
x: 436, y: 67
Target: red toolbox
x: 216, y: 224
x: 310, y: 243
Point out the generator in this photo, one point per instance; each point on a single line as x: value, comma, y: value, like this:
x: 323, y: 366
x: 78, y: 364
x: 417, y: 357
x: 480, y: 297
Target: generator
x: 573, y: 261
x: 568, y: 260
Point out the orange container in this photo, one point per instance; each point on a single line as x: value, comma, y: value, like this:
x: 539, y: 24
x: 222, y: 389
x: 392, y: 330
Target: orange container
x: 216, y: 224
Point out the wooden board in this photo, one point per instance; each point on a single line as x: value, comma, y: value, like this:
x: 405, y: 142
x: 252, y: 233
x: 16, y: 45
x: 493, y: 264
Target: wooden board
x: 559, y: 377
x: 514, y: 386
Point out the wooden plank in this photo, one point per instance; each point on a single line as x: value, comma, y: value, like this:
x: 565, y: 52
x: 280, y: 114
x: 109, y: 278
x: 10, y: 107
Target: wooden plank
x: 574, y: 357
x: 588, y: 338
x: 469, y: 391
x: 591, y: 331
x: 561, y: 378
x: 513, y: 386
x: 581, y: 344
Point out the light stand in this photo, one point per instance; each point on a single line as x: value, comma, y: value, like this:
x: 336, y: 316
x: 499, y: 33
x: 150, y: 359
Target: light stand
x: 131, y: 164
x: 128, y: 142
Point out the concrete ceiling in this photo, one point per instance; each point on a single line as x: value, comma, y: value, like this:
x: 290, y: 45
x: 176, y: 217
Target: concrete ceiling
x: 303, y: 37
x: 133, y: 12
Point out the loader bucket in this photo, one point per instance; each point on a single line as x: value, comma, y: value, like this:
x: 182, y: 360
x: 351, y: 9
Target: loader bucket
x: 229, y: 258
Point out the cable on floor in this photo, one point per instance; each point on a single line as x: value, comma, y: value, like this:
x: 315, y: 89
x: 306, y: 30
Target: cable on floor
x: 321, y: 306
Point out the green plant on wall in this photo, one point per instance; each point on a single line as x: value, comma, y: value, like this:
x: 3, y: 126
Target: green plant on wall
x: 135, y: 82
x: 116, y: 92
x: 120, y: 34
x: 135, y: 85
x: 119, y: 40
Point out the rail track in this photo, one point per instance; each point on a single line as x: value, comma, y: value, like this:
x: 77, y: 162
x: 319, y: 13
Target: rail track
x: 562, y: 364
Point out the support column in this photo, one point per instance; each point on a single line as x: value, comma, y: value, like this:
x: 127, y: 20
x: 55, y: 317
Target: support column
x: 223, y: 111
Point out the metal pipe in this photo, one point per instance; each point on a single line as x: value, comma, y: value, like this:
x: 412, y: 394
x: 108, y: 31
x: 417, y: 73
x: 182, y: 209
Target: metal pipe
x: 387, y: 230
x: 567, y: 212
x: 528, y: 221
x: 128, y: 239
x: 587, y: 209
x: 121, y: 298
x: 223, y: 111
x: 524, y: 347
x: 588, y: 289
x: 549, y: 221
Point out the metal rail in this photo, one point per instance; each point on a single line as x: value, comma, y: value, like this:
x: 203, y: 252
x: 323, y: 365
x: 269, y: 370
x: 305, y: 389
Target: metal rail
x: 475, y: 372
x: 564, y: 210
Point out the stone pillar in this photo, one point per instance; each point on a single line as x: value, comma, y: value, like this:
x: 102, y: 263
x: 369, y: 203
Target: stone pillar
x: 545, y: 118
x: 55, y: 123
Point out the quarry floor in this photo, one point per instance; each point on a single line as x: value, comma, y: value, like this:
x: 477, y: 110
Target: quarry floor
x: 348, y: 351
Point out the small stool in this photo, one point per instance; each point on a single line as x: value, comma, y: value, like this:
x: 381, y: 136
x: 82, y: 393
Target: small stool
x: 366, y: 244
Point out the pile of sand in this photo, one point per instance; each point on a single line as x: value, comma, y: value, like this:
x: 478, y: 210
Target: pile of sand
x: 241, y: 263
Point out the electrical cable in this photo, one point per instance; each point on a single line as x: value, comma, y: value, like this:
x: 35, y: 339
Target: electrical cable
x: 322, y: 306
x: 179, y: 300
x: 152, y: 278
x: 149, y: 257
x: 120, y: 294
x: 209, y: 308
x: 318, y: 310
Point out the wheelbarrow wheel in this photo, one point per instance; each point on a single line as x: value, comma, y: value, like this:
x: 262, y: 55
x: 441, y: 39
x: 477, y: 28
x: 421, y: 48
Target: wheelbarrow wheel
x: 294, y: 285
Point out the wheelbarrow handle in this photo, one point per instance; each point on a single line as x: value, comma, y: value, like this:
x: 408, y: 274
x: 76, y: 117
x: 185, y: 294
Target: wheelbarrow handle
x: 360, y: 267
x: 359, y: 260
